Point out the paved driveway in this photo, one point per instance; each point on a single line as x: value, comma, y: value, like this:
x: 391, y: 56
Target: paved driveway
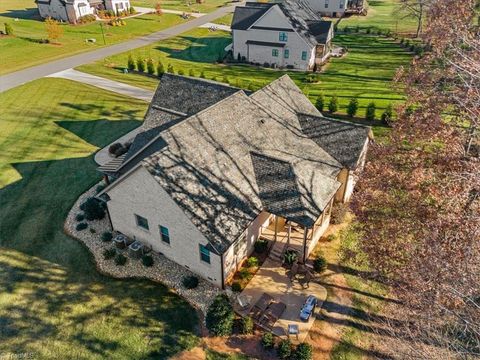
x: 17, y: 78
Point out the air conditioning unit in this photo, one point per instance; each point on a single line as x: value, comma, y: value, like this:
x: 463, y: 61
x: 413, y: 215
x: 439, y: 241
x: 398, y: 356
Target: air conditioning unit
x: 120, y: 241
x: 135, y: 250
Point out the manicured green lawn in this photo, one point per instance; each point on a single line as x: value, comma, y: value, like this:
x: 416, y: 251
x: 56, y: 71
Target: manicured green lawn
x: 183, y: 5
x: 382, y: 14
x: 53, y: 303
x: 366, y: 72
x: 23, y: 50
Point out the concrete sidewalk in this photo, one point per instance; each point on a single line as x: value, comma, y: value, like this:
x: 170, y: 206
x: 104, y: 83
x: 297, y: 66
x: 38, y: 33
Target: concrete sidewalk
x: 146, y: 10
x: 106, y: 84
x: 17, y: 78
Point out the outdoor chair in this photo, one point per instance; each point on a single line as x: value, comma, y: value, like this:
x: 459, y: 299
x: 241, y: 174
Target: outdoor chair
x: 244, y: 301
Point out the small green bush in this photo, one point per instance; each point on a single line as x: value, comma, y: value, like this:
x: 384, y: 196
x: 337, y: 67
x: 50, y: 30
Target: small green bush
x: 220, y: 316
x: 303, y: 352
x: 141, y: 65
x: 107, y: 236
x: 320, y: 103
x: 120, y: 259
x: 109, y: 253
x: 80, y: 217
x: 352, y: 107
x: 244, y: 273
x: 370, y: 112
x: 290, y: 257
x: 202, y: 75
x: 333, y: 104
x: 160, y: 69
x: 225, y: 80
x: 132, y: 10
x: 268, y: 341
x: 93, y: 231
x: 150, y: 67
x: 339, y: 212
x: 319, y: 264
x: 191, y: 73
x: 147, y: 260
x: 284, y: 350
x: 8, y: 29
x: 81, y: 226
x: 247, y: 325
x: 236, y: 286
x: 252, y: 261
x: 190, y: 281
x: 170, y: 69
x: 387, y: 115
x: 261, y: 246
x: 93, y: 209
x: 181, y: 72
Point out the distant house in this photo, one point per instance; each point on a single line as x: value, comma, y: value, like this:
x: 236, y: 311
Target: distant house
x: 72, y: 10
x: 215, y: 168
x: 285, y: 35
x: 335, y: 8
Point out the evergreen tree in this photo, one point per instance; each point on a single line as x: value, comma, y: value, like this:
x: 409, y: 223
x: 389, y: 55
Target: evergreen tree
x: 370, y: 112
x: 352, y: 107
x: 333, y: 104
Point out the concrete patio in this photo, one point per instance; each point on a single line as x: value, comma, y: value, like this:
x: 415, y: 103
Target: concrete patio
x: 273, y: 279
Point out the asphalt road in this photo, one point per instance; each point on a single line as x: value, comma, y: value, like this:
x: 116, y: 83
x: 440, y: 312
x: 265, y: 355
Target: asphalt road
x: 20, y: 77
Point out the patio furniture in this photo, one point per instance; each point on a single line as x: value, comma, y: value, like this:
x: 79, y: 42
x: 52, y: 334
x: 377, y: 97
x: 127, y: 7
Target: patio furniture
x: 260, y: 306
x: 293, y: 330
x: 244, y: 301
x: 135, y: 250
x: 272, y: 314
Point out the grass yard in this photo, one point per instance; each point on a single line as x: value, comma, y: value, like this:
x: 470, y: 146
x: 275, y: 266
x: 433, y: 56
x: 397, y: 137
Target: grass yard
x: 23, y: 49
x: 53, y: 303
x: 183, y: 5
x: 366, y: 72
x: 382, y: 14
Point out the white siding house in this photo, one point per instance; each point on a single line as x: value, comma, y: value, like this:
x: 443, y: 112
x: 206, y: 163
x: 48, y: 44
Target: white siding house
x: 280, y: 35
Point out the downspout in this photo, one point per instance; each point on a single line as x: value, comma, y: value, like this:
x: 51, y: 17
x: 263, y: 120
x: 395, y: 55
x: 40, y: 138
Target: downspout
x: 222, y: 271
x: 305, y: 231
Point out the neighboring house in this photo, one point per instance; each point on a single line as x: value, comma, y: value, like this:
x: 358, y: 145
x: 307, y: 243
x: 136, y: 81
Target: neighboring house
x: 285, y: 35
x: 72, y: 10
x: 335, y: 8
x: 215, y: 166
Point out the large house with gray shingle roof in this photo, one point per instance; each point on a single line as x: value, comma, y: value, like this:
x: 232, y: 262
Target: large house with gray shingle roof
x: 215, y: 166
x: 285, y: 35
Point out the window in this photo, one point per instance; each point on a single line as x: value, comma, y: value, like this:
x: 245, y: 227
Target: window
x: 275, y: 52
x: 204, y: 254
x: 282, y: 36
x: 164, y: 234
x: 304, y: 55
x: 326, y: 4
x: 342, y: 4
x: 286, y: 53
x: 141, y: 222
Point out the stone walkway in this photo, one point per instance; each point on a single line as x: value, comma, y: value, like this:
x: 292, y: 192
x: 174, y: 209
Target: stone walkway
x: 106, y: 84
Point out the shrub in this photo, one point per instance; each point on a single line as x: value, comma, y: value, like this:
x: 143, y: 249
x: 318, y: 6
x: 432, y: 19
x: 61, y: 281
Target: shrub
x: 319, y: 264
x: 370, y: 112
x: 81, y: 226
x: 93, y: 231
x: 170, y: 69
x: 117, y: 149
x: 261, y: 246
x: 244, y: 273
x: 352, y: 107
x: 130, y: 63
x: 109, y: 253
x: 247, y: 325
x: 80, y: 217
x: 268, y: 341
x: 236, y: 286
x: 284, y: 349
x: 8, y: 29
x: 330, y: 237
x: 93, y: 209
x: 160, y: 69
x: 190, y: 281
x: 252, y: 261
x: 132, y: 10
x: 387, y: 115
x: 86, y: 19
x: 339, y: 212
x: 191, y: 73
x: 202, y: 75
x: 290, y: 257
x: 140, y: 65
x: 100, y: 188
x: 225, y: 80
x: 150, y: 67
x: 303, y: 352
x: 107, y: 236
x: 54, y: 30
x: 147, y: 260
x: 181, y: 72
x: 312, y: 78
x: 220, y: 316
x: 320, y: 103
x: 120, y: 260
x: 333, y: 104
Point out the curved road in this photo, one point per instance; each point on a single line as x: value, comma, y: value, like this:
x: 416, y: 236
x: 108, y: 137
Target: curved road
x: 20, y: 77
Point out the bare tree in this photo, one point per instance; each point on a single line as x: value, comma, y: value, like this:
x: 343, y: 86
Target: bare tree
x: 415, y: 9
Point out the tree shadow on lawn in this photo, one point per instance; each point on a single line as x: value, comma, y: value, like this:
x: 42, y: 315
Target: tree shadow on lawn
x: 53, y: 293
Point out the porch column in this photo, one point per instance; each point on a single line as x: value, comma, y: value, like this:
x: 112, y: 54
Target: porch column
x: 305, y: 232
x: 276, y: 225
x: 289, y: 232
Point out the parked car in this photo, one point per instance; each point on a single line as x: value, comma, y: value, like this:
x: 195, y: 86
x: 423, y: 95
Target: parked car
x: 308, y: 308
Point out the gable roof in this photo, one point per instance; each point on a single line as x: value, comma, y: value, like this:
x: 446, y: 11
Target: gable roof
x: 320, y: 30
x: 246, y: 16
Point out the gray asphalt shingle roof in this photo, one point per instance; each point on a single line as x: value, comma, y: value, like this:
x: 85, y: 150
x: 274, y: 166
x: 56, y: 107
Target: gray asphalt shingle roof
x: 246, y: 16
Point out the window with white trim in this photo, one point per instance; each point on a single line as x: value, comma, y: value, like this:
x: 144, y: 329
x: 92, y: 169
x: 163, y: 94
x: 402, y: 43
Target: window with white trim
x: 164, y: 234
x: 204, y: 254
